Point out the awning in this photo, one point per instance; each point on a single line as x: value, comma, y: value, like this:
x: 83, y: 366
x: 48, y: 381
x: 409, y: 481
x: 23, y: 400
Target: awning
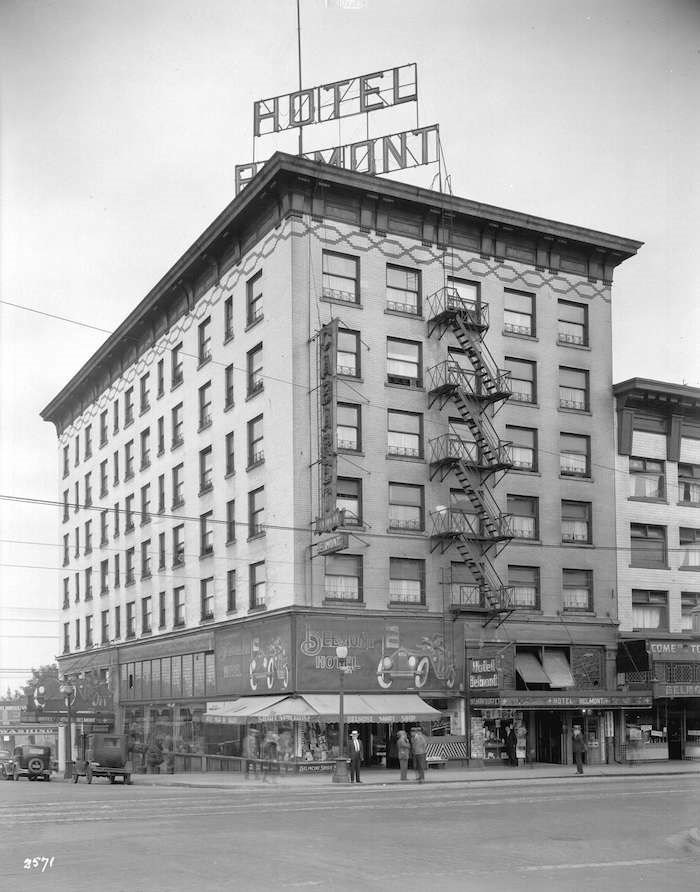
x: 557, y: 668
x: 530, y: 669
x: 373, y: 707
x: 321, y: 707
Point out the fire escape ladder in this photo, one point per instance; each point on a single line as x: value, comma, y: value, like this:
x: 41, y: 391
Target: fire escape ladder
x: 493, y: 383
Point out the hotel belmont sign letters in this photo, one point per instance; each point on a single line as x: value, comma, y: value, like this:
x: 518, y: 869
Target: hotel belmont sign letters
x: 341, y: 99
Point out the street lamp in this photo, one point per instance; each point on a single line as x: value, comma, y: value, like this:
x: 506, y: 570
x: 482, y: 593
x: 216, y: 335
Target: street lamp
x: 340, y: 775
x: 68, y: 691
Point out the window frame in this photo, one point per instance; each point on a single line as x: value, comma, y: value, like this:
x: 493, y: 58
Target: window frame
x: 331, y: 594
x: 587, y: 509
x: 640, y: 554
x: 396, y: 306
x: 533, y: 576
x: 512, y: 328
x: 255, y: 457
x: 334, y: 294
x: 394, y: 565
x: 397, y: 500
x: 255, y: 584
x: 404, y: 380
x: 405, y: 451
x: 347, y: 371
x: 517, y: 395
x: 571, y: 405
x: 570, y: 339
x: 254, y: 299
x: 587, y: 586
x: 255, y: 382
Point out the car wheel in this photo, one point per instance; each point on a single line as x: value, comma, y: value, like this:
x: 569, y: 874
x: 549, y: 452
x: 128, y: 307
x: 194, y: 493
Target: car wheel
x: 35, y: 765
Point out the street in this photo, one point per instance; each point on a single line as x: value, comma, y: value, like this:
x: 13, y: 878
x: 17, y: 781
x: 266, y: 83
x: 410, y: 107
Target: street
x: 582, y: 833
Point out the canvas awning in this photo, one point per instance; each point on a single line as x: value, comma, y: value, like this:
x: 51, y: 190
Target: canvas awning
x: 556, y: 665
x: 530, y: 669
x: 238, y: 712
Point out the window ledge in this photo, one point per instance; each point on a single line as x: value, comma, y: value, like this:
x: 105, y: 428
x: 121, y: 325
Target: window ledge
x: 358, y: 379
x: 651, y: 499
x: 228, y: 406
x: 341, y: 303
x: 585, y: 478
x: 203, y: 425
x: 417, y: 316
x: 228, y: 337
x: 664, y: 567
x: 229, y: 474
x: 531, y: 471
x: 391, y: 456
x: 577, y: 545
x: 256, y: 536
x: 516, y: 541
x: 524, y: 403
x: 399, y: 531
x: 564, y: 410
x: 402, y: 605
x: 203, y: 555
x: 176, y: 383
x: 180, y: 624
x: 573, y: 346
x: 206, y: 489
x: 256, y: 464
x: 336, y: 602
x: 688, y: 504
x: 204, y: 360
x: 258, y: 608
x: 146, y: 633
x: 254, y: 322
x: 252, y: 394
x: 176, y: 444
x: 521, y: 336
x: 411, y: 388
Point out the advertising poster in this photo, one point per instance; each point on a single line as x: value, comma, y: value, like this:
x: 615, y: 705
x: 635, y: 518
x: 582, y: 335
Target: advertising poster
x: 254, y: 658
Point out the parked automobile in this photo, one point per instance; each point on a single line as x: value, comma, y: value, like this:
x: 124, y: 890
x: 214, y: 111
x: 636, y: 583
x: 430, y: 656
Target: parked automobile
x: 6, y: 765
x: 32, y: 762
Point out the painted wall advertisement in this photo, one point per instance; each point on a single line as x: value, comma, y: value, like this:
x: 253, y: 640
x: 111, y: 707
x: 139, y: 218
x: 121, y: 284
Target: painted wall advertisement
x: 254, y: 658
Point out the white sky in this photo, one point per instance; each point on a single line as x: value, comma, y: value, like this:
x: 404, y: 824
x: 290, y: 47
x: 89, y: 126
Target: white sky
x: 122, y: 120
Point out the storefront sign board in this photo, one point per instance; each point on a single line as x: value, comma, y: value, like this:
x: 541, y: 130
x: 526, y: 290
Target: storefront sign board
x: 255, y: 657
x: 329, y: 546
x: 566, y: 701
x: 484, y: 672
x: 678, y: 651
x: 663, y: 691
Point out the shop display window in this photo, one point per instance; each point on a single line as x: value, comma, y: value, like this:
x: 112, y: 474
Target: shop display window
x: 645, y: 739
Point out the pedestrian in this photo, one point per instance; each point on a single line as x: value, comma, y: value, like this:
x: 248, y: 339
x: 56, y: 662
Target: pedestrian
x: 512, y: 745
x: 355, y: 757
x: 420, y: 746
x: 403, y: 749
x: 269, y: 754
x: 251, y: 752
x: 578, y: 746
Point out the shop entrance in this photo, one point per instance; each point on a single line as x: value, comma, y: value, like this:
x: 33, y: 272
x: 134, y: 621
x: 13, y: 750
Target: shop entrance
x: 548, y: 732
x: 675, y: 734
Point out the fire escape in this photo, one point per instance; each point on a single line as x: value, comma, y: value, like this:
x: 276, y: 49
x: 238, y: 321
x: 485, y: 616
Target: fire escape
x: 473, y: 383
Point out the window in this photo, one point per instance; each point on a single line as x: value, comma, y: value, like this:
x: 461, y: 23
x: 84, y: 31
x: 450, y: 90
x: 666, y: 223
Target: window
x: 343, y: 577
x: 341, y: 277
x: 161, y: 551
x: 689, y: 602
x: 255, y: 371
x: 115, y: 417
x: 117, y: 515
x: 66, y: 638
x: 577, y: 591
x: 523, y: 379
x: 525, y: 583
x: 403, y: 290
x: 348, y: 353
x: 649, y: 610
x: 77, y: 450
x: 88, y: 536
x: 254, y: 299
x: 146, y: 615
x: 162, y: 618
x: 524, y: 449
x: 646, y: 478
x: 406, y: 507
x: 205, y: 470
x: 524, y: 520
x: 689, y: 484
x: 117, y: 623
x: 573, y: 389
x: 66, y: 592
x: 129, y: 512
x: 66, y: 461
x: 145, y: 401
x: 117, y: 577
x: 128, y: 406
x: 256, y: 512
x: 648, y: 545
x: 573, y: 323
x: 160, y: 375
x: 231, y: 521
x: 404, y: 362
x: 104, y: 632
x: 66, y: 512
x: 88, y: 583
x: 349, y: 500
x: 228, y: 319
x: 103, y: 428
x: 179, y: 606
x: 179, y: 545
x: 77, y: 587
x: 104, y: 478
x: 462, y: 514
x: 206, y: 533
x: 178, y: 486
x: 146, y: 559
x: 104, y: 526
x: 66, y: 549
x: 145, y: 448
x: 405, y: 433
x: 258, y: 585
x: 230, y: 591
x: 406, y: 581
x: 256, y: 453
x: 88, y: 489
x: 519, y: 313
x: 576, y: 522
x: 131, y: 619
x: 228, y: 386
x: 88, y: 442
x: 204, y: 341
x: 207, y: 598
x: 348, y: 428
x: 76, y: 506
x: 204, y: 407
x: 574, y: 455
x: 77, y: 542
x: 176, y: 374
x: 177, y: 425
x: 129, y: 460
x: 161, y: 435
x: 161, y: 493
x: 690, y: 548
x: 129, y: 565
x: 88, y: 631
x: 115, y: 465
x: 230, y: 456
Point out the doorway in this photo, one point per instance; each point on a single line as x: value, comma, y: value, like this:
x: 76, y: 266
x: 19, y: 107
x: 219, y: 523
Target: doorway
x: 675, y: 734
x: 548, y: 731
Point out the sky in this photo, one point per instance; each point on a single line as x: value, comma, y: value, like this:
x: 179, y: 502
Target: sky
x: 121, y: 122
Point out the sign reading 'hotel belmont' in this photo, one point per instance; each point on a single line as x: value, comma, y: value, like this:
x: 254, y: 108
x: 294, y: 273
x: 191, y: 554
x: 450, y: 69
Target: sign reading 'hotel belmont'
x: 341, y: 99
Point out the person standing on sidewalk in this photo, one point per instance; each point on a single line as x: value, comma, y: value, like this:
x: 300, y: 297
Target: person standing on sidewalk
x: 403, y: 751
x: 420, y: 747
x: 355, y: 757
x: 578, y: 746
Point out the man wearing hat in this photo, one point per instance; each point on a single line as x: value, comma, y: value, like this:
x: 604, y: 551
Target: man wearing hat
x: 420, y: 746
x: 355, y: 757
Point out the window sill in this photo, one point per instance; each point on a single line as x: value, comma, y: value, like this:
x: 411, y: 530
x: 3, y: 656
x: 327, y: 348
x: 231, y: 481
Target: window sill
x: 205, y: 620
x: 145, y: 521
x: 358, y: 379
x: 180, y: 624
x: 206, y: 489
x: 665, y: 567
x: 146, y: 575
x: 256, y: 464
x: 404, y: 531
x: 228, y: 337
x: 128, y: 476
x: 229, y: 474
x: 257, y: 608
x: 416, y: 388
x: 586, y: 478
x: 688, y: 504
x: 176, y: 444
x: 128, y: 423
x: 341, y: 303
x: 177, y: 382
x: 689, y: 569
x: 516, y: 541
x: 577, y: 545
x: 178, y: 564
x: 345, y: 602
x: 253, y: 322
x: 203, y: 360
x: 405, y: 313
x: 513, y: 401
x: 573, y: 345
x: 232, y: 611
x: 533, y: 472
x: 402, y: 605
x: 203, y: 425
x: 256, y: 536
x: 146, y: 633
x: 568, y: 411
x: 521, y: 336
x: 251, y: 394
x: 161, y: 393
x: 144, y: 409
x: 179, y: 504
x: 391, y: 456
x: 203, y: 555
x: 129, y: 528
x: 230, y: 542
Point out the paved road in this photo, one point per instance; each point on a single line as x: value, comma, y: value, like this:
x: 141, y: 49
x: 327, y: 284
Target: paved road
x: 578, y: 833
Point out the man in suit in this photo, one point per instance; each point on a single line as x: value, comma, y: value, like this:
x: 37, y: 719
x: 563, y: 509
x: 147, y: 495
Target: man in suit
x: 355, y: 757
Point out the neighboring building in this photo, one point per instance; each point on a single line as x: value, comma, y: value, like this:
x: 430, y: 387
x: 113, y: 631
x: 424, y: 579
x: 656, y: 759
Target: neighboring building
x: 354, y: 412
x: 658, y: 575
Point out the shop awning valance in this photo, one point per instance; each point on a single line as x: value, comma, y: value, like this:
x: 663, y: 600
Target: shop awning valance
x: 557, y: 668
x: 530, y: 669
x: 358, y: 708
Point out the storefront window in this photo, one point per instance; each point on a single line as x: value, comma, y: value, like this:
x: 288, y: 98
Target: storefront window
x: 645, y: 737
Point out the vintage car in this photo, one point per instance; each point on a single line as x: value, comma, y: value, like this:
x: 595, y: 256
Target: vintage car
x: 6, y: 765
x: 32, y: 762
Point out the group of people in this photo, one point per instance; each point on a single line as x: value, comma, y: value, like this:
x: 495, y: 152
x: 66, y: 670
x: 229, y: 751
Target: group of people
x: 416, y: 746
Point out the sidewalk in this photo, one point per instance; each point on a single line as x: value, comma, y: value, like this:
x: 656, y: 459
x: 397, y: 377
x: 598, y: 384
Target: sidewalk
x: 378, y: 777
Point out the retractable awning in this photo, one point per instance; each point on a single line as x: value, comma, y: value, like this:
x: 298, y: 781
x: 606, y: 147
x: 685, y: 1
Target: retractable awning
x: 238, y: 712
x: 530, y: 669
x: 556, y: 666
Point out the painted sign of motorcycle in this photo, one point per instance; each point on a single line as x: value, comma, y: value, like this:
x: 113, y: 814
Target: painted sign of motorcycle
x: 400, y: 662
x: 268, y: 664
